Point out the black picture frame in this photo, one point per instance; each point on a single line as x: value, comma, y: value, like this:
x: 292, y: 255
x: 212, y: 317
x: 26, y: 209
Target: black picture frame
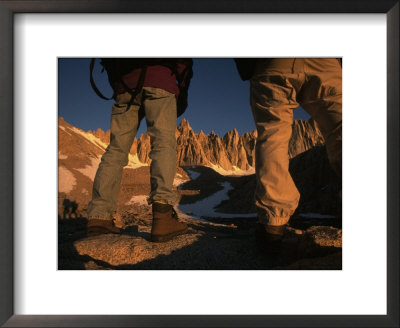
x: 10, y: 7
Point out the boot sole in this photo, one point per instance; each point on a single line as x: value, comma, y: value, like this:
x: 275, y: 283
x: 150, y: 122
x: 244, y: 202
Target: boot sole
x: 164, y: 238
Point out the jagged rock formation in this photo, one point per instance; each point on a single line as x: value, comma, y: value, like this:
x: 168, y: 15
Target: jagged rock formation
x: 103, y: 136
x: 305, y: 135
x: 227, y: 152
x: 189, y: 149
x: 134, y: 147
x: 235, y: 150
x: 248, y: 141
x: 216, y: 152
x: 143, y: 148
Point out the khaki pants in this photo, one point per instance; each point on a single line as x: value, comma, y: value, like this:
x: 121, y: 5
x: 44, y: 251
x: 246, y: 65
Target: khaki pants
x: 160, y: 111
x: 276, y: 89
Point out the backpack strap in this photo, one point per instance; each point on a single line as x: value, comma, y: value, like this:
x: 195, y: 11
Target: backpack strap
x: 138, y: 88
x: 94, y: 87
x: 183, y: 84
x: 133, y: 93
x: 184, y: 77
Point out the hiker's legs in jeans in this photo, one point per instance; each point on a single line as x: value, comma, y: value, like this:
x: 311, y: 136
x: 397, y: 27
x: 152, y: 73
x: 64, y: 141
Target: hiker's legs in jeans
x: 322, y: 99
x: 107, y: 181
x: 160, y: 111
x: 273, y: 102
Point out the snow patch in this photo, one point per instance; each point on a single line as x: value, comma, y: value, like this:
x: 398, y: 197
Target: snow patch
x: 196, y: 218
x: 64, y: 129
x: 142, y: 200
x: 138, y: 200
x: 316, y: 216
x: 66, y: 180
x: 90, y: 137
x: 90, y: 170
x: 235, y: 171
x: 206, y: 207
x: 134, y: 162
x: 193, y: 174
x: 178, y: 182
x: 62, y: 156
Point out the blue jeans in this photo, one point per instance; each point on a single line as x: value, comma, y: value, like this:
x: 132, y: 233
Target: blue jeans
x: 160, y: 112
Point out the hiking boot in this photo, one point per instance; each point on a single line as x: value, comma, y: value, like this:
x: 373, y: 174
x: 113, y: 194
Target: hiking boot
x: 269, y: 238
x: 97, y: 227
x: 165, y: 223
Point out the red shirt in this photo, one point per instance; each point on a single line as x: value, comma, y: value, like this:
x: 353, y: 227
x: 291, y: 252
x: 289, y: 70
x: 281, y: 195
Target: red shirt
x: 157, y: 76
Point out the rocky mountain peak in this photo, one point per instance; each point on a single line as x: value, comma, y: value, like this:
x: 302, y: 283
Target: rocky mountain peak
x: 213, y: 136
x: 232, y: 134
x: 184, y: 124
x: 184, y: 129
x: 227, y: 152
x: 103, y: 136
x: 201, y: 135
x: 143, y: 148
x: 305, y: 135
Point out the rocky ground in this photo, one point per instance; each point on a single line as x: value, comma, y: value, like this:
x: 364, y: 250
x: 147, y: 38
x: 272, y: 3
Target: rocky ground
x: 215, y: 243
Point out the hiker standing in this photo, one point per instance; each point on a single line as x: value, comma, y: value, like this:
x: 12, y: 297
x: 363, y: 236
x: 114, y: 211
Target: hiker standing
x: 157, y: 90
x: 277, y: 87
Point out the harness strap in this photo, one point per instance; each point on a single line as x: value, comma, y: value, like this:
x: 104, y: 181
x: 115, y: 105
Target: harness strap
x: 133, y: 93
x: 92, y: 81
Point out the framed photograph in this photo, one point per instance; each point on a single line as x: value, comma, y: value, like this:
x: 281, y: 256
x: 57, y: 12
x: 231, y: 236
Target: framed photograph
x: 51, y: 151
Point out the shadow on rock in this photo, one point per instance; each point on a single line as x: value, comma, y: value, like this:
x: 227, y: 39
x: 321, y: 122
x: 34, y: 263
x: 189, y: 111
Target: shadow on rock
x: 206, y: 246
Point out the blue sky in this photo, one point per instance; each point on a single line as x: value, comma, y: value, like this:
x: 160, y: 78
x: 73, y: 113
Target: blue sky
x: 218, y: 98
